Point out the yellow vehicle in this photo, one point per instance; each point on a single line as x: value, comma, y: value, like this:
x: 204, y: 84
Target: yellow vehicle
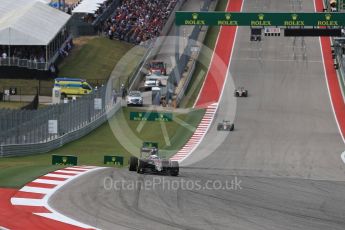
x: 72, y: 87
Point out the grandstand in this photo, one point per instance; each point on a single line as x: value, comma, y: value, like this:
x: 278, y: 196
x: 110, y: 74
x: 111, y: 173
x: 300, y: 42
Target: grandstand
x: 137, y: 21
x: 31, y: 35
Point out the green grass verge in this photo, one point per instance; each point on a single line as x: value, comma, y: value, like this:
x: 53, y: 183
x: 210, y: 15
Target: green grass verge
x: 90, y: 150
x: 17, y: 174
x: 12, y: 105
x: 200, y: 71
x: 95, y: 59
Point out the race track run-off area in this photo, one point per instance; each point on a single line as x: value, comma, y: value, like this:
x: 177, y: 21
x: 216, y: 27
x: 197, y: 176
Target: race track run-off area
x: 279, y: 190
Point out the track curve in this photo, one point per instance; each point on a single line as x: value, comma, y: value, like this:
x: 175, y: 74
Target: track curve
x: 284, y: 154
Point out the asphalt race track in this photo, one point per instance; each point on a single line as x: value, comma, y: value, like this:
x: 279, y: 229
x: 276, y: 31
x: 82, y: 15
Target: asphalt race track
x: 284, y: 154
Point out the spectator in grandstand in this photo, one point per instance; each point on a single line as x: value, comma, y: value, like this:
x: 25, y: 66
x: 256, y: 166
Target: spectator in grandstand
x: 137, y: 21
x: 36, y: 54
x: 64, y: 51
x: 89, y: 18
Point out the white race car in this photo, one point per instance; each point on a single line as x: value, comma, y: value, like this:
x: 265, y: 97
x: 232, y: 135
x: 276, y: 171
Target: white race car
x: 241, y: 92
x: 225, y: 126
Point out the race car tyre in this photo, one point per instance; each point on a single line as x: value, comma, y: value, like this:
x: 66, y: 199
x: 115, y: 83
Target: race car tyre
x: 245, y: 94
x: 174, y: 169
x: 232, y: 127
x: 237, y: 94
x: 133, y: 163
x: 219, y: 127
x: 141, y: 167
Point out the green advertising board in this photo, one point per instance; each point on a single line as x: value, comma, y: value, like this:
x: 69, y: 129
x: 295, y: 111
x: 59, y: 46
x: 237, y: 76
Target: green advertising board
x: 150, y: 116
x: 64, y: 160
x: 259, y: 19
x: 114, y: 160
x: 148, y: 144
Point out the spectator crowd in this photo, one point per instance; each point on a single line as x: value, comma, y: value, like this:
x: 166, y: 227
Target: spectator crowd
x: 137, y: 21
x: 33, y: 53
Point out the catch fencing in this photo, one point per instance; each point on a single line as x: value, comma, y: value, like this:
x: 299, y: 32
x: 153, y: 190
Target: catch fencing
x: 174, y: 77
x: 36, y: 131
x: 338, y: 53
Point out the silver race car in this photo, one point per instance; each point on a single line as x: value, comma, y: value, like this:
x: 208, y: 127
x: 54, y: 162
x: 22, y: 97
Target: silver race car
x: 151, y: 162
x: 225, y: 126
x: 241, y: 92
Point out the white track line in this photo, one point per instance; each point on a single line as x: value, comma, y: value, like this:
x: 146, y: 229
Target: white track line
x: 44, y: 181
x: 58, y: 175
x: 35, y: 190
x: 27, y: 202
x: 61, y: 218
x: 343, y: 157
x: 70, y: 172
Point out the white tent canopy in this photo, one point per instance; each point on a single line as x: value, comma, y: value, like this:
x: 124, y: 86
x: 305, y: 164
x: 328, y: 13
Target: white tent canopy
x: 29, y: 22
x: 88, y: 6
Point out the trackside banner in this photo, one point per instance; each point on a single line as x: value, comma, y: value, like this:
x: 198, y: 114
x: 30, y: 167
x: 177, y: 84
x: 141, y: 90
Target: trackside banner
x: 149, y: 116
x: 259, y: 19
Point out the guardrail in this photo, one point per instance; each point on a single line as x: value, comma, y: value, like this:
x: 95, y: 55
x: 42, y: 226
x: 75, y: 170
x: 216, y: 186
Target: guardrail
x: 26, y: 63
x: 339, y: 57
x: 37, y: 131
x: 181, y: 94
x: 43, y: 147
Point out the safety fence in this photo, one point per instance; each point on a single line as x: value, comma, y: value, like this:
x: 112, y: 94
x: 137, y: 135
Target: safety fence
x: 338, y: 54
x: 37, y: 131
x: 176, y: 73
x: 25, y: 63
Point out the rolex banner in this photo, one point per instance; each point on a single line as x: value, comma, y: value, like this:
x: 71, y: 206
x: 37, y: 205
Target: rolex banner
x: 64, y: 160
x: 114, y: 160
x: 259, y: 19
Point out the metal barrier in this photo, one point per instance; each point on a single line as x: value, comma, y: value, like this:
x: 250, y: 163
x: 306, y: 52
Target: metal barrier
x: 339, y: 56
x: 26, y: 63
x: 174, y: 77
x: 26, y: 132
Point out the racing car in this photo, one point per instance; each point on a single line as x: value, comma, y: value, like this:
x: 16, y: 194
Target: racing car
x: 151, y: 162
x: 225, y: 126
x: 241, y: 92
